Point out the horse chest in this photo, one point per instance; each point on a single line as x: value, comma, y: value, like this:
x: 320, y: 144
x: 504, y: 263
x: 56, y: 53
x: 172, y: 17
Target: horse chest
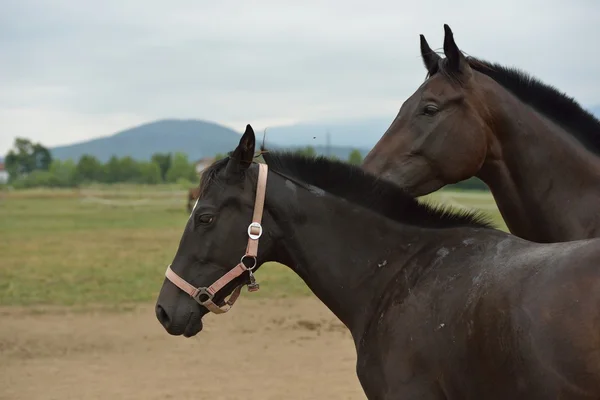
x: 390, y: 368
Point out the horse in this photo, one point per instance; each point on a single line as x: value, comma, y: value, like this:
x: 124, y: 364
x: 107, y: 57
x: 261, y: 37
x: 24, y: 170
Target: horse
x: 534, y: 147
x: 192, y: 196
x: 440, y: 304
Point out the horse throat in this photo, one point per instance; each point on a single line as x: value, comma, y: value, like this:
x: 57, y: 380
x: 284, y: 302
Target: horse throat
x: 545, y: 183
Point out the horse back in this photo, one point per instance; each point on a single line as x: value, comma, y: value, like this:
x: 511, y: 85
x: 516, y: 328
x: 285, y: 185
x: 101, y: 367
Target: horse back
x: 501, y: 318
x: 558, y: 321
x: 531, y: 321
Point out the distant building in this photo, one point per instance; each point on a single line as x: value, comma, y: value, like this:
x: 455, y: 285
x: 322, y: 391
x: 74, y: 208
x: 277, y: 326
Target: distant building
x: 3, y: 174
x: 203, y: 163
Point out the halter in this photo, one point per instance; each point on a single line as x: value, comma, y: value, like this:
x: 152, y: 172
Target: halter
x: 204, y: 295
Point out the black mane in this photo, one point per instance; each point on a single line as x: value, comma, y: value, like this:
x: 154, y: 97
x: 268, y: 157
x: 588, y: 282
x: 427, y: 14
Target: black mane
x: 548, y: 100
x: 355, y: 185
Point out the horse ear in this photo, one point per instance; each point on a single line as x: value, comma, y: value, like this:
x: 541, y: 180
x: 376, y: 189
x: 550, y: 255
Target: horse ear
x: 456, y: 60
x: 430, y: 57
x: 242, y: 156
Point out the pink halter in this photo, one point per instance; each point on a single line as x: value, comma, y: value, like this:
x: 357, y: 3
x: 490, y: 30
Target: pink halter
x: 204, y: 295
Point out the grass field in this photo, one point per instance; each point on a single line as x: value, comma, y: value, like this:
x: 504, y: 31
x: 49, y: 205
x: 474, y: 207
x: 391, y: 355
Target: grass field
x: 79, y: 274
x: 110, y: 245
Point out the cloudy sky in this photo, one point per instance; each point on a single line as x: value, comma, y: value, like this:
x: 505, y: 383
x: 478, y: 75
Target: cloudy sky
x: 77, y: 69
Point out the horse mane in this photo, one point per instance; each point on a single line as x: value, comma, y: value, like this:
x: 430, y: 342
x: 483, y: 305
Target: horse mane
x: 359, y: 187
x: 546, y: 99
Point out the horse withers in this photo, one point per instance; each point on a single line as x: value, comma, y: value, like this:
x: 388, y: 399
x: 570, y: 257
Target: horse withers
x: 536, y: 148
x: 440, y: 305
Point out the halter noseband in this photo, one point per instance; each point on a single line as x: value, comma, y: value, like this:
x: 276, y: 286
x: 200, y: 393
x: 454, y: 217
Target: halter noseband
x: 204, y: 295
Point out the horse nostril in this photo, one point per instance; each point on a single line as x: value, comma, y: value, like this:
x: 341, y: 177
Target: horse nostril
x: 162, y: 316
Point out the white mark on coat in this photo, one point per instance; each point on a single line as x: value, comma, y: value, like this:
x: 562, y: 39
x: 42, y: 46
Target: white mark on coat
x: 290, y: 185
x: 441, y: 253
x: 194, y: 208
x: 316, y: 191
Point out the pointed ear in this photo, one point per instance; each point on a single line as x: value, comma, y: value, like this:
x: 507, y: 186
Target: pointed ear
x: 242, y: 156
x: 430, y: 57
x: 456, y: 60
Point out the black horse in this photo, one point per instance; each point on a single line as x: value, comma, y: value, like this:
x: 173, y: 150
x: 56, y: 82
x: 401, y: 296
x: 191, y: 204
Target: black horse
x: 440, y: 305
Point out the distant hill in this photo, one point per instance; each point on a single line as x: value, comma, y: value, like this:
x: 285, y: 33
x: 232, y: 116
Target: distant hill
x: 200, y: 138
x: 196, y: 138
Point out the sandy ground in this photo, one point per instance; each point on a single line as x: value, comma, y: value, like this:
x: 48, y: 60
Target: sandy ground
x: 271, y: 349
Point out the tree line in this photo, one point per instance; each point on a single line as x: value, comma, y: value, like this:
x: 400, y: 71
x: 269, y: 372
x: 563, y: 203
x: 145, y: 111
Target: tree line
x: 31, y: 165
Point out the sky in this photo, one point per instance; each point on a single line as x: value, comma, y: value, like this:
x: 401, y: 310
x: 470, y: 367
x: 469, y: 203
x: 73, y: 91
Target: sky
x: 78, y: 69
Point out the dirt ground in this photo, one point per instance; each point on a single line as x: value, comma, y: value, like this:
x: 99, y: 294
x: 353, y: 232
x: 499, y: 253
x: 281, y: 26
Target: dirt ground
x: 266, y: 349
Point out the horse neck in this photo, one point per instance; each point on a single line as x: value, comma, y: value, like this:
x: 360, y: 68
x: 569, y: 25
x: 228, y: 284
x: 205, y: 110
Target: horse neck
x: 541, y: 178
x: 345, y: 254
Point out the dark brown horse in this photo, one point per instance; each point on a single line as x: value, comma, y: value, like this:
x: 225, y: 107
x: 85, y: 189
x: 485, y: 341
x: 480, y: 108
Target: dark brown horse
x: 536, y: 148
x: 192, y: 196
x: 440, y: 305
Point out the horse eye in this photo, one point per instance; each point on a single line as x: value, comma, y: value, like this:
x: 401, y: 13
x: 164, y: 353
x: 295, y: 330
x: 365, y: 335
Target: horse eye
x: 205, y: 219
x: 430, y: 109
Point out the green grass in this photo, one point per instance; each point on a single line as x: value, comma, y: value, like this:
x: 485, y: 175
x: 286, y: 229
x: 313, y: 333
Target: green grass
x: 111, y: 245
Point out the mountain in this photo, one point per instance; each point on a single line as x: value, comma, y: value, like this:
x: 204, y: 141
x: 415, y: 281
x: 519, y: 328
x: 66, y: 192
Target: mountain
x: 204, y: 139
x: 196, y: 138
x: 200, y: 138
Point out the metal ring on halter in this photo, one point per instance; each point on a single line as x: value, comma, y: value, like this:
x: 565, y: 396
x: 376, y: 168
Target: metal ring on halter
x: 202, y: 291
x: 255, y: 235
x: 242, y: 261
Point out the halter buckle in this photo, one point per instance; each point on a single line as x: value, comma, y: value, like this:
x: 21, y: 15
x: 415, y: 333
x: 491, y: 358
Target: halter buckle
x: 203, y: 291
x: 252, y: 228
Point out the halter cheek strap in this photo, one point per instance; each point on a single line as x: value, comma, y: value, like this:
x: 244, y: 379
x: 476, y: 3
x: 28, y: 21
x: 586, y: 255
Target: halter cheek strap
x: 204, y: 295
